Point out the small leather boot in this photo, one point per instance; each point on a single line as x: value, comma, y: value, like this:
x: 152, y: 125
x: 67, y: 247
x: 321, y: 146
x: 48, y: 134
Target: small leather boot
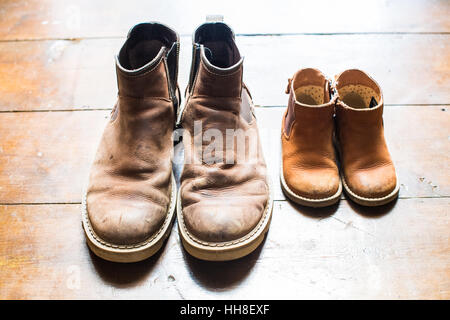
x: 367, y: 170
x: 130, y: 201
x: 309, y: 173
x: 225, y: 204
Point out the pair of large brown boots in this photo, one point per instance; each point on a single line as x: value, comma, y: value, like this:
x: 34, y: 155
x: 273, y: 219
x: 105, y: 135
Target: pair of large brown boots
x: 346, y: 114
x: 224, y: 202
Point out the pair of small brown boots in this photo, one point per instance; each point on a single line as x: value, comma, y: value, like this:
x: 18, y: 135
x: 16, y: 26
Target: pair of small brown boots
x: 224, y: 202
x: 346, y: 114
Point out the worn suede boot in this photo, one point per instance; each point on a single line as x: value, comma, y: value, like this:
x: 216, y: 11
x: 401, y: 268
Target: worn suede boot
x: 309, y: 173
x: 367, y: 170
x: 129, y: 205
x: 225, y: 204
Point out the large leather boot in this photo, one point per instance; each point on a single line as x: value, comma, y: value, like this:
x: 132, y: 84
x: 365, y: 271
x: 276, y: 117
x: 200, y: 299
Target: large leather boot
x: 309, y: 173
x: 367, y: 170
x: 225, y: 204
x: 129, y: 204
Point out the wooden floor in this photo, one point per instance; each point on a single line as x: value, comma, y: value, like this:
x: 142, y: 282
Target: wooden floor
x: 57, y: 86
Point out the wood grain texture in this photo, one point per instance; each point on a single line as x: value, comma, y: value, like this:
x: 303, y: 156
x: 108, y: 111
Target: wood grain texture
x: 49, y: 75
x: 58, y: 55
x: 56, y: 147
x: 42, y: 19
x: 53, y: 75
x: 346, y: 251
x: 45, y: 156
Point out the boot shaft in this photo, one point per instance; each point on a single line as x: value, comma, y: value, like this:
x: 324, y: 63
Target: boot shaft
x: 147, y: 63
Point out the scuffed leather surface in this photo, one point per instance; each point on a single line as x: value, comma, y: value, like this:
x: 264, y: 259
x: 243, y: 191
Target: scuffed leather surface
x: 309, y: 164
x: 365, y: 160
x: 130, y: 182
x: 366, y: 164
x: 222, y: 202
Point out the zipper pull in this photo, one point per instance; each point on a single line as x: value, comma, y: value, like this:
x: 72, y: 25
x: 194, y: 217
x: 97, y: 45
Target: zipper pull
x: 332, y: 88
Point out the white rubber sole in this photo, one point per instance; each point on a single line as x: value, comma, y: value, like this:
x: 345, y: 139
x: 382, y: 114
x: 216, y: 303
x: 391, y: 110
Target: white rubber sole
x: 370, y: 202
x: 225, y: 251
x: 129, y: 253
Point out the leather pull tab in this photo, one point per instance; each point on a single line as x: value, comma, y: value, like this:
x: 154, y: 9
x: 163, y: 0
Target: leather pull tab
x: 288, y: 88
x: 208, y: 53
x: 214, y: 18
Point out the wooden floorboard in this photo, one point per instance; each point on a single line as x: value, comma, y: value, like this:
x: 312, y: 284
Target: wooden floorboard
x: 45, y: 156
x: 57, y: 147
x: 346, y: 251
x: 58, y: 84
x: 42, y: 19
x: 49, y: 75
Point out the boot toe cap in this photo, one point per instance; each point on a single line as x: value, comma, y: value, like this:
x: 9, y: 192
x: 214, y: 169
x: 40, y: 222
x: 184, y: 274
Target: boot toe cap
x: 313, y: 184
x: 374, y: 183
x: 232, y: 219
x: 125, y: 221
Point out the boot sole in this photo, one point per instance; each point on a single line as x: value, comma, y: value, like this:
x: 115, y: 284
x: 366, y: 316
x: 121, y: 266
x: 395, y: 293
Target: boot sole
x: 370, y: 202
x: 314, y: 203
x: 129, y: 253
x: 225, y: 251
